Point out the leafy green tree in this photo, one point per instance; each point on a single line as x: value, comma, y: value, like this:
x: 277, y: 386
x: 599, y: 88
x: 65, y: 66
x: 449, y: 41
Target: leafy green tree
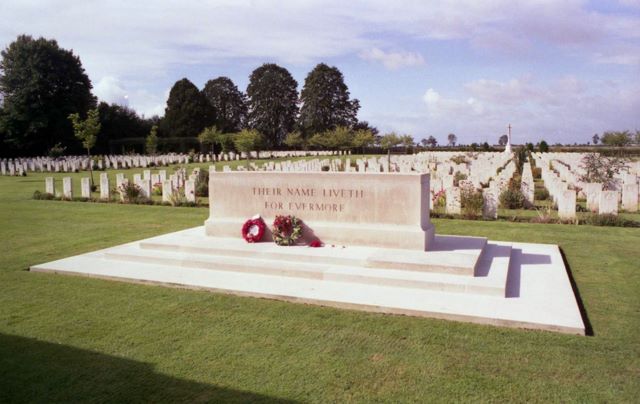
x: 529, y: 147
x: 543, y: 147
x: 248, y: 140
x: 617, y: 139
x: 273, y: 102
x: 325, y: 101
x: 407, y: 141
x: 188, y: 112
x: 294, y: 140
x: 363, y: 138
x: 452, y: 139
x: 596, y: 138
x: 503, y: 140
x: 210, y: 136
x: 340, y: 138
x: 485, y: 146
x: 87, y: 132
x: 42, y: 84
x: 388, y: 142
x: 151, y: 145
x: 229, y: 103
x: 364, y: 125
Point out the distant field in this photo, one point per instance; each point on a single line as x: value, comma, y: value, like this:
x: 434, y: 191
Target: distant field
x: 66, y: 338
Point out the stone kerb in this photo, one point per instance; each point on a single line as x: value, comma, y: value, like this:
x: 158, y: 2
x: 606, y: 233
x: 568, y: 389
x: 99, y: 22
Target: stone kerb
x: 381, y: 210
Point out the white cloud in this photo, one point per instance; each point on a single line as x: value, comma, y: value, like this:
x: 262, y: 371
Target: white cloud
x: 110, y: 90
x: 393, y: 60
x: 536, y: 110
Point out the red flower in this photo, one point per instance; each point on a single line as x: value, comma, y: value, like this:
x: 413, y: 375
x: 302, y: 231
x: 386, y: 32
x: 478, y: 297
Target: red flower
x: 315, y: 243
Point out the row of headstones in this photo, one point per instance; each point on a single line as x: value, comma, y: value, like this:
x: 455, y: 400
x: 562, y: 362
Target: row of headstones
x: 19, y: 166
x: 146, y: 184
x: 563, y: 184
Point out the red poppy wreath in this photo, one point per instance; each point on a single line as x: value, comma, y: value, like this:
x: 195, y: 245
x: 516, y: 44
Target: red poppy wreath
x: 253, y: 229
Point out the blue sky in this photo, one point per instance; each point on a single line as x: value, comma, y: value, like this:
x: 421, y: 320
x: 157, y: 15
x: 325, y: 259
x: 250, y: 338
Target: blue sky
x: 556, y: 70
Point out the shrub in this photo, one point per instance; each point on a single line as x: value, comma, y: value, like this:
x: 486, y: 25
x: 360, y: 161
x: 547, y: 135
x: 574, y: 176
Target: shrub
x: 43, y: 195
x: 512, y: 199
x: 541, y: 194
x: 157, y: 189
x: 610, y: 220
x: 131, y: 193
x: 459, y: 159
x: 458, y: 177
x: 202, y: 187
x: 471, y: 201
x: 439, y: 200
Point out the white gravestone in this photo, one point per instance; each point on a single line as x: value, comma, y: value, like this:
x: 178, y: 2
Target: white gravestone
x: 592, y: 191
x: 490, y: 203
x: 67, y: 192
x: 190, y: 190
x: 49, y: 186
x: 608, y: 203
x: 85, y: 187
x: 567, y: 204
x: 630, y: 197
x: 454, y: 206
x: 104, y: 186
x: 167, y: 191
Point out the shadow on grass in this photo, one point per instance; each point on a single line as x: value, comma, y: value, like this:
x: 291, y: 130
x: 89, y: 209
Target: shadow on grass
x: 32, y: 370
x: 588, y: 329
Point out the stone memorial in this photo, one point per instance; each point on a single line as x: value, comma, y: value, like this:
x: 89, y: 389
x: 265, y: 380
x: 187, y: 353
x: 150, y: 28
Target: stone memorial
x: 339, y: 208
x: 377, y: 252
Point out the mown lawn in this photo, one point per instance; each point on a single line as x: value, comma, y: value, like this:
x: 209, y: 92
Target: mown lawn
x: 66, y: 338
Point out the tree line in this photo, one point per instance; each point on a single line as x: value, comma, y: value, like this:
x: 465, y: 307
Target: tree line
x: 42, y: 85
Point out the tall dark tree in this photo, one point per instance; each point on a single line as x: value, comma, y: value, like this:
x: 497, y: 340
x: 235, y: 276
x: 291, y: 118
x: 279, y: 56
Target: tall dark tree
x: 119, y: 122
x: 273, y: 102
x: 325, y: 101
x: 42, y: 84
x: 188, y: 112
x: 229, y: 103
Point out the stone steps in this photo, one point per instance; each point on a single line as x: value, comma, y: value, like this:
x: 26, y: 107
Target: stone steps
x: 492, y: 283
x: 512, y: 284
x: 451, y: 255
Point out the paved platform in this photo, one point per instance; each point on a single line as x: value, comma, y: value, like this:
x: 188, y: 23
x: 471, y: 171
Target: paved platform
x: 462, y: 278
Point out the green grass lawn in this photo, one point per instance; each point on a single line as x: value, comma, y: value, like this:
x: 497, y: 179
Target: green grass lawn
x: 65, y: 338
